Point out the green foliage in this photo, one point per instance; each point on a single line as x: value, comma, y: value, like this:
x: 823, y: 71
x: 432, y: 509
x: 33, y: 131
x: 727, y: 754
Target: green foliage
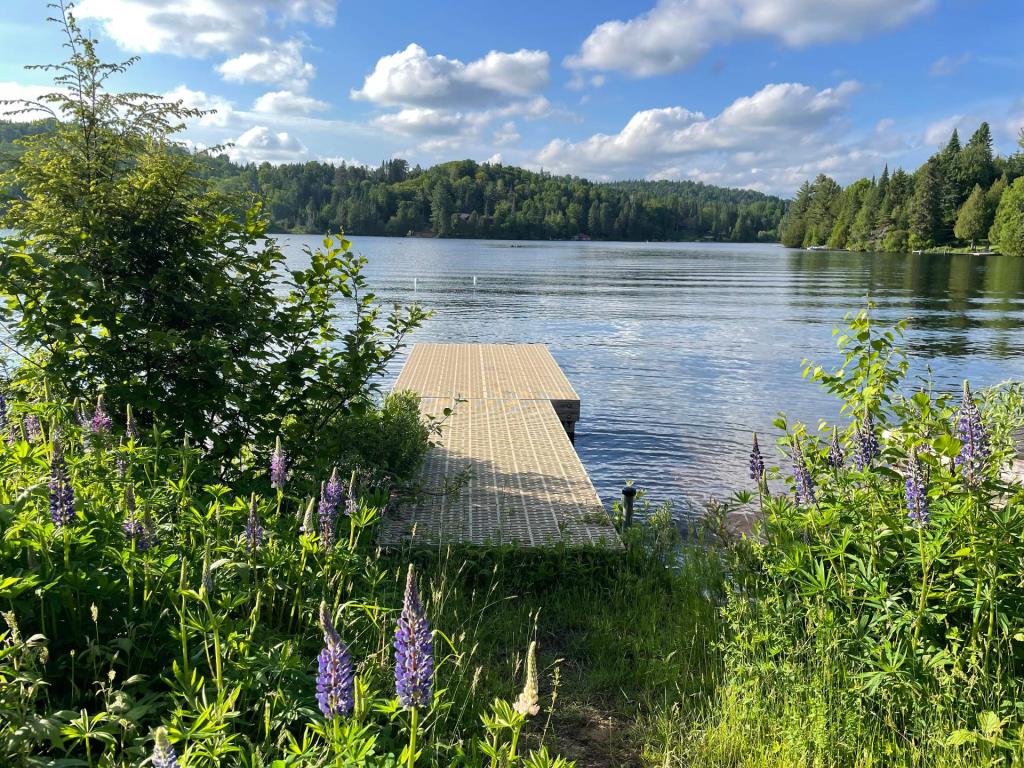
x: 902, y: 212
x: 1007, y: 233
x: 135, y: 280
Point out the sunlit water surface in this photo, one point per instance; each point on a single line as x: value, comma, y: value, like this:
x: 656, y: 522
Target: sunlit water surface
x: 680, y: 351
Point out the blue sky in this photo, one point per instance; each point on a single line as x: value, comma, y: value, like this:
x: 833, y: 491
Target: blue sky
x: 751, y: 93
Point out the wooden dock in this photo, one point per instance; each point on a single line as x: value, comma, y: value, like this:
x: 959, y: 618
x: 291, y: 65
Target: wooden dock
x: 514, y: 412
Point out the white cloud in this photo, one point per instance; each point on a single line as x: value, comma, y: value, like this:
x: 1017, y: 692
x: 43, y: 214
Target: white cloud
x: 506, y: 134
x: 288, y: 103
x: 198, y: 27
x: 275, y: 63
x: 259, y: 144
x: 752, y: 142
x: 494, y: 159
x: 19, y: 92
x: 674, y: 34
x: 947, y: 65
x: 411, y: 78
x: 221, y: 110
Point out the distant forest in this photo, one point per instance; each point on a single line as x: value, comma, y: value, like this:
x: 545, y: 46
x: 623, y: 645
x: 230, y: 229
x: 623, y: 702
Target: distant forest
x: 963, y: 196
x: 468, y: 199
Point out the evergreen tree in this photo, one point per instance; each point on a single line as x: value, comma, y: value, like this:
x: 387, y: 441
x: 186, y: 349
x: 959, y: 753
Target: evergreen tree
x: 925, y: 206
x: 972, y: 223
x: 1007, y: 233
x: 976, y: 163
x: 794, y: 226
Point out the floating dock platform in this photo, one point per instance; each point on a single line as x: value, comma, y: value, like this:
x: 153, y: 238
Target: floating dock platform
x: 510, y: 438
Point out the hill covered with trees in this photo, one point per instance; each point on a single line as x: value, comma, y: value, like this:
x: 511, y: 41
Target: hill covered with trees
x: 464, y: 198
x: 962, y: 196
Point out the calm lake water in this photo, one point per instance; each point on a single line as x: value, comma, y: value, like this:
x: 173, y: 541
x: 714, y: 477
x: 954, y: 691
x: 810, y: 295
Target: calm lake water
x: 680, y: 351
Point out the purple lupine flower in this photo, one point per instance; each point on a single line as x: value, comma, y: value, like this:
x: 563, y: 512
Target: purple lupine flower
x: 351, y: 505
x: 100, y: 421
x: 3, y: 411
x: 335, y: 679
x: 121, y: 466
x: 916, y: 483
x: 135, y: 530
x: 835, y: 451
x: 278, y: 467
x: 414, y: 651
x: 33, y: 429
x: 163, y: 753
x: 330, y: 500
x: 974, y: 441
x: 802, y: 476
x: 756, y: 463
x: 867, y: 443
x: 62, y: 496
x: 253, y: 528
x: 131, y: 428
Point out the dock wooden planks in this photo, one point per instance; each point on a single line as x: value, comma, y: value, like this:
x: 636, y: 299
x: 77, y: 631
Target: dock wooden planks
x: 509, y: 434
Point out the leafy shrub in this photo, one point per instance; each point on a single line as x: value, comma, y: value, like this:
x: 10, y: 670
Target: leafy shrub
x: 130, y: 278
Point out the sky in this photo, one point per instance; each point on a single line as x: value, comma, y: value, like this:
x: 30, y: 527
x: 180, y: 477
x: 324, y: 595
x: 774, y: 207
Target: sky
x: 761, y: 94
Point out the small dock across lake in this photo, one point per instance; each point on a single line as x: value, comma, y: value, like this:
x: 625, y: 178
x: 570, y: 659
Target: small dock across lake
x: 514, y: 416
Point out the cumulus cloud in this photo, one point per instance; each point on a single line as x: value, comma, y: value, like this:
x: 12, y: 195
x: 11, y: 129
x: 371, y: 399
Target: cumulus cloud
x: 752, y: 142
x: 260, y: 144
x: 22, y: 92
x: 506, y: 134
x: 287, y: 103
x: 674, y: 34
x: 274, y: 63
x: 221, y: 112
x: 198, y: 27
x: 412, y: 78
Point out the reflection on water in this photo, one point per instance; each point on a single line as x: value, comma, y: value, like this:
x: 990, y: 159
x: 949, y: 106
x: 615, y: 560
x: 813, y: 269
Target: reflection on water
x: 680, y: 351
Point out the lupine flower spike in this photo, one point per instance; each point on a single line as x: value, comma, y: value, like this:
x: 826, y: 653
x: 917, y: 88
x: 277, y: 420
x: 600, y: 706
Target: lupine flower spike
x: 131, y: 428
x: 62, y: 496
x: 163, y: 753
x: 974, y: 441
x: 33, y: 429
x: 528, y: 703
x: 100, y: 418
x: 335, y: 679
x: 330, y: 500
x: 278, y: 467
x: 134, y: 529
x: 207, y: 581
x: 756, y: 463
x: 414, y: 651
x: 867, y: 443
x: 916, y: 482
x: 802, y: 476
x: 253, y: 528
x: 309, y: 519
x: 835, y: 451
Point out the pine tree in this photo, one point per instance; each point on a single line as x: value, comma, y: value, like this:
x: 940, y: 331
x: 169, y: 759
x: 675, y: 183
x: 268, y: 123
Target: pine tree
x: 973, y: 220
x: 924, y: 208
x: 976, y: 162
x: 794, y: 226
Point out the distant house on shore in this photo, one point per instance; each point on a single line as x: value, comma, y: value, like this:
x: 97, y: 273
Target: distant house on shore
x: 582, y: 237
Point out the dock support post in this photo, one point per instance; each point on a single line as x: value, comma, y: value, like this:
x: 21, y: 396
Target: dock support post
x: 628, y: 494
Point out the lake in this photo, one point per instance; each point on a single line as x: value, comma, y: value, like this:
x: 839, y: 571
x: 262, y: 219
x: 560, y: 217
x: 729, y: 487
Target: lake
x: 680, y: 351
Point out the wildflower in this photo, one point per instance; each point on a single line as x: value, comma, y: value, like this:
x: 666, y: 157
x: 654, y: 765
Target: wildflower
x: 528, y: 703
x: 308, y: 520
x: 121, y: 466
x: 916, y: 483
x: 974, y: 442
x: 802, y: 476
x: 835, y: 451
x: 330, y: 499
x: 100, y: 418
x: 335, y: 680
x: 351, y: 505
x: 163, y: 753
x: 414, y: 651
x: 278, y: 467
x: 33, y: 429
x: 62, y: 496
x: 867, y: 443
x: 756, y: 463
x: 131, y: 428
x: 253, y: 529
x: 3, y: 412
x: 207, y: 580
x: 135, y: 529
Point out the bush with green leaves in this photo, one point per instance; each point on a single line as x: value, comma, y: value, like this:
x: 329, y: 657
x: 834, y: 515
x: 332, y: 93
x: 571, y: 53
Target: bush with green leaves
x: 149, y: 608
x: 878, y: 615
x: 127, y: 275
